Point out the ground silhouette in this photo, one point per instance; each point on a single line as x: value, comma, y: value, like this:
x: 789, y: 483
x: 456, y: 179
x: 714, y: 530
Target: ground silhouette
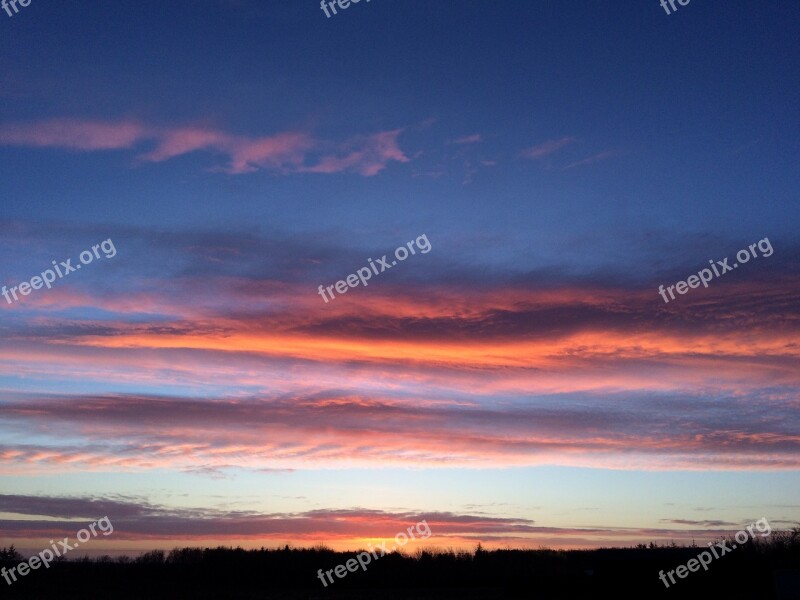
x: 761, y: 569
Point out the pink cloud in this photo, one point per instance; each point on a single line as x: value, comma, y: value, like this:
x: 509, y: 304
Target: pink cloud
x: 367, y: 156
x: 182, y: 141
x: 547, y: 148
x: 328, y: 430
x: 75, y: 135
x: 286, y: 152
x: 468, y: 139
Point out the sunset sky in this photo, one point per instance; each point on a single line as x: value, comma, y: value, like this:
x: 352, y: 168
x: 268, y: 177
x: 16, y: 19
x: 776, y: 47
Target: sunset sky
x: 521, y: 384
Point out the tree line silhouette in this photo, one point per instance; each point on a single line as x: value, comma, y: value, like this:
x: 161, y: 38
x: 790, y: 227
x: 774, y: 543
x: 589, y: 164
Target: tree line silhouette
x: 761, y: 569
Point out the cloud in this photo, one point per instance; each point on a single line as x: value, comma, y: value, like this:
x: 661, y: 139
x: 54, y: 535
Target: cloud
x: 468, y: 139
x: 350, y: 528
x: 708, y: 523
x: 286, y: 152
x: 546, y: 148
x: 327, y: 429
x: 366, y: 155
x: 135, y: 520
x: 593, y: 159
x: 74, y: 134
x: 537, y: 368
x: 72, y: 508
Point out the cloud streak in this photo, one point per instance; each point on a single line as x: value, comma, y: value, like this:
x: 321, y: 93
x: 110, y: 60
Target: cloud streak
x: 286, y: 152
x: 525, y: 370
x: 327, y: 430
x: 595, y: 158
x: 341, y: 528
x: 546, y: 148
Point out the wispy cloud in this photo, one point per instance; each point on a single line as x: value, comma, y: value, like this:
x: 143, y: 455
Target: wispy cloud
x: 286, y: 152
x: 367, y: 155
x: 75, y: 134
x: 593, y: 159
x: 329, y: 429
x: 546, y: 148
x: 707, y: 523
x: 468, y: 139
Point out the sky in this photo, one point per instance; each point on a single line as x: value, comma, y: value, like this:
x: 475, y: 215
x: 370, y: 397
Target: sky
x: 202, y: 173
